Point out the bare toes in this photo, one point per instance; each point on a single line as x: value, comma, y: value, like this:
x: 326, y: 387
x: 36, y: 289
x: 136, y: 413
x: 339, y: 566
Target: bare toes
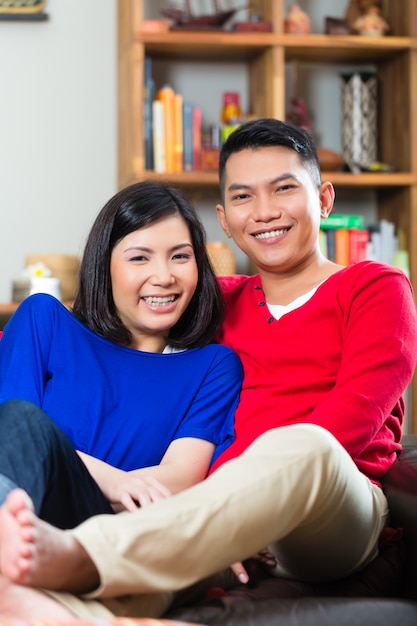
x: 18, y: 502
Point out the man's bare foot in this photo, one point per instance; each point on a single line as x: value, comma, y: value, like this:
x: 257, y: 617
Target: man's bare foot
x: 36, y: 554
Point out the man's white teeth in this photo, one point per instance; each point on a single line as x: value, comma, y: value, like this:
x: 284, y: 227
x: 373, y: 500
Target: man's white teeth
x: 159, y: 300
x: 271, y: 233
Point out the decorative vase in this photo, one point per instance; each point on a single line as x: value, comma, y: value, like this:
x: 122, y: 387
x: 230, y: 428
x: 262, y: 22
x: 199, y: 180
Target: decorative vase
x: 222, y: 258
x: 46, y: 284
x: 359, y: 119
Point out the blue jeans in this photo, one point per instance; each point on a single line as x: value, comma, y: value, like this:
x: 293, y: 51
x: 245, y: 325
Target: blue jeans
x: 37, y: 456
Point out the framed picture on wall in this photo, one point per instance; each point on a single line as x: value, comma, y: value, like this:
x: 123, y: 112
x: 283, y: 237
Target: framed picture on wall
x: 23, y: 10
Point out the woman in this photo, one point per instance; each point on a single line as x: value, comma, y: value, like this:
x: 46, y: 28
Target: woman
x: 129, y: 378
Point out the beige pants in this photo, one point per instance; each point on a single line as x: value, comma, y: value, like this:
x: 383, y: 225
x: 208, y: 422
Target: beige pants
x: 294, y: 489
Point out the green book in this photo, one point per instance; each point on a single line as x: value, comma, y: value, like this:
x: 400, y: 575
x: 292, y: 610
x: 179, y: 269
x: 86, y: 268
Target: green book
x: 342, y: 221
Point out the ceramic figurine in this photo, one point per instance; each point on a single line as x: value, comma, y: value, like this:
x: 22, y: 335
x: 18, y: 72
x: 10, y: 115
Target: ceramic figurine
x: 297, y: 21
x: 371, y: 23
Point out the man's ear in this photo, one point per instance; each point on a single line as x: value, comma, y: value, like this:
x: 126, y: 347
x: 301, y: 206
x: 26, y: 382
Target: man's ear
x: 221, y: 215
x: 326, y: 195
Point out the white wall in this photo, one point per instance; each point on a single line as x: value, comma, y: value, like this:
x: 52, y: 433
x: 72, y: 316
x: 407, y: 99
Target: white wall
x: 58, y: 129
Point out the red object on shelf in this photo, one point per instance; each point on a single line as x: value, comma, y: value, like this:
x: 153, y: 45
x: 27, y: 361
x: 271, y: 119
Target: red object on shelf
x: 231, y: 107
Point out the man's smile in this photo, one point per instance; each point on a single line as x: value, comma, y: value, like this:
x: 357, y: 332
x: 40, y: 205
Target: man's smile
x: 271, y: 233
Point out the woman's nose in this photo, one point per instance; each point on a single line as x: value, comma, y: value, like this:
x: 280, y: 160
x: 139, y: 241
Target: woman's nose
x: 162, y: 274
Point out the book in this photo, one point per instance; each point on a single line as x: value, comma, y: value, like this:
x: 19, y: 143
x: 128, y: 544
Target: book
x: 388, y: 241
x: 158, y: 136
x: 374, y: 243
x: 196, y: 138
x: 346, y: 238
x: 323, y: 243
x: 342, y: 246
x: 402, y: 260
x: 342, y: 221
x: 358, y: 245
x: 148, y: 97
x: 330, y: 243
x: 178, y: 133
x: 187, y: 136
x: 383, y: 242
x: 166, y: 96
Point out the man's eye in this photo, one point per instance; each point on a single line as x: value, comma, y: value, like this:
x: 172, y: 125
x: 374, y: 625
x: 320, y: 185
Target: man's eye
x: 240, y: 196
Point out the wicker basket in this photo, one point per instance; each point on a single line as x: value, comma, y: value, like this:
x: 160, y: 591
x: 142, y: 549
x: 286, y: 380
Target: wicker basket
x: 222, y: 258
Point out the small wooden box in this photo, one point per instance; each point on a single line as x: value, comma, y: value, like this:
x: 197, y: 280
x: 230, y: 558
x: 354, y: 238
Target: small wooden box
x: 210, y: 159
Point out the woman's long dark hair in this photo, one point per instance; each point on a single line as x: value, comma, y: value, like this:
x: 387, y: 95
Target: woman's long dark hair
x: 130, y: 209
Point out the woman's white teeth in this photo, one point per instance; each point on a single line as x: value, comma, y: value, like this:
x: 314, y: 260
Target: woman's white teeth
x: 159, y: 300
x: 271, y: 233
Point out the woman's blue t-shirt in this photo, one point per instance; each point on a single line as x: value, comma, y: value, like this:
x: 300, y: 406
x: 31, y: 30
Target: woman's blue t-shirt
x: 115, y: 403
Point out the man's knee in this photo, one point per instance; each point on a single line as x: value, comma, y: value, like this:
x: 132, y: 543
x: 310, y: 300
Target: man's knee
x: 303, y: 436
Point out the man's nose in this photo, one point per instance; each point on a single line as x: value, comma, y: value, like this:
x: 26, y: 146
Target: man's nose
x: 266, y: 208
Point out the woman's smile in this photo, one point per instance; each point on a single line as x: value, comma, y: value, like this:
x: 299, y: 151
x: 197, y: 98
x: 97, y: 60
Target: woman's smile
x: 154, y: 276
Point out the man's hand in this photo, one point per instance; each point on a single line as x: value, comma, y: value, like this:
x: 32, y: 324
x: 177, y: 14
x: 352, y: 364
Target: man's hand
x: 240, y: 572
x: 264, y: 556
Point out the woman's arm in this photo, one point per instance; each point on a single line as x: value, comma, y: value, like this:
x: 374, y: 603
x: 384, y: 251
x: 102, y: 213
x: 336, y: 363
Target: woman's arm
x: 185, y: 463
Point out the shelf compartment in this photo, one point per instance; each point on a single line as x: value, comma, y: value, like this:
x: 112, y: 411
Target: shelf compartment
x: 340, y: 179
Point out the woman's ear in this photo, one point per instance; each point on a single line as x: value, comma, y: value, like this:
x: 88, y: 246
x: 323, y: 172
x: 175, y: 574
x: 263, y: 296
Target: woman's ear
x: 326, y: 196
x: 221, y: 215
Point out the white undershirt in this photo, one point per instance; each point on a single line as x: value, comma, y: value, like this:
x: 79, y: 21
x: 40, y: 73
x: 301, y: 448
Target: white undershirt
x: 278, y: 310
x: 170, y: 350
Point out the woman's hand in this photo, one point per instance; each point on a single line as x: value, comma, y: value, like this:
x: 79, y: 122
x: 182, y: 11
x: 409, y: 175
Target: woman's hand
x: 185, y: 463
x: 129, y: 491
x: 126, y: 490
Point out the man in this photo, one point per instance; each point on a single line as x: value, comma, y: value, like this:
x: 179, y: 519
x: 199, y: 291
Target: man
x: 327, y: 353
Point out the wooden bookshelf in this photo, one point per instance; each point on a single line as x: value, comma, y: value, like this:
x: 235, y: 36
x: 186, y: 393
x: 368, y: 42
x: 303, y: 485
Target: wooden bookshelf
x: 266, y: 56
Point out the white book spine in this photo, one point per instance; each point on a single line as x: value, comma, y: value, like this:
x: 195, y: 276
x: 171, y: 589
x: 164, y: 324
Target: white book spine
x: 158, y: 134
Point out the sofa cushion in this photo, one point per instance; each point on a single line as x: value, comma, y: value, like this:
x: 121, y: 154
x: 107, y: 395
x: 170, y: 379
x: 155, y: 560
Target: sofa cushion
x: 309, y: 612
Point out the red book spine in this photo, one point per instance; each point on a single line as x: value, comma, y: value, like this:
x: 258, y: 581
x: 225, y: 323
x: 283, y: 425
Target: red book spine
x: 196, y: 138
x: 358, y: 245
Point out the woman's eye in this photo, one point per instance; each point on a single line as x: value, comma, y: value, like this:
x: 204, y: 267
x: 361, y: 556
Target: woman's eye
x: 181, y: 256
x: 138, y: 258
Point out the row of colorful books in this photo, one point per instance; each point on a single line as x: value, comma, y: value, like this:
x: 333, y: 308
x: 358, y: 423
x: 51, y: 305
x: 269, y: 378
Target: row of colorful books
x: 172, y: 129
x: 344, y: 239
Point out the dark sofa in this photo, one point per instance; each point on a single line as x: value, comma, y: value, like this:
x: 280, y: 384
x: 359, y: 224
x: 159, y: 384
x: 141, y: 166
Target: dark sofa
x: 384, y: 593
